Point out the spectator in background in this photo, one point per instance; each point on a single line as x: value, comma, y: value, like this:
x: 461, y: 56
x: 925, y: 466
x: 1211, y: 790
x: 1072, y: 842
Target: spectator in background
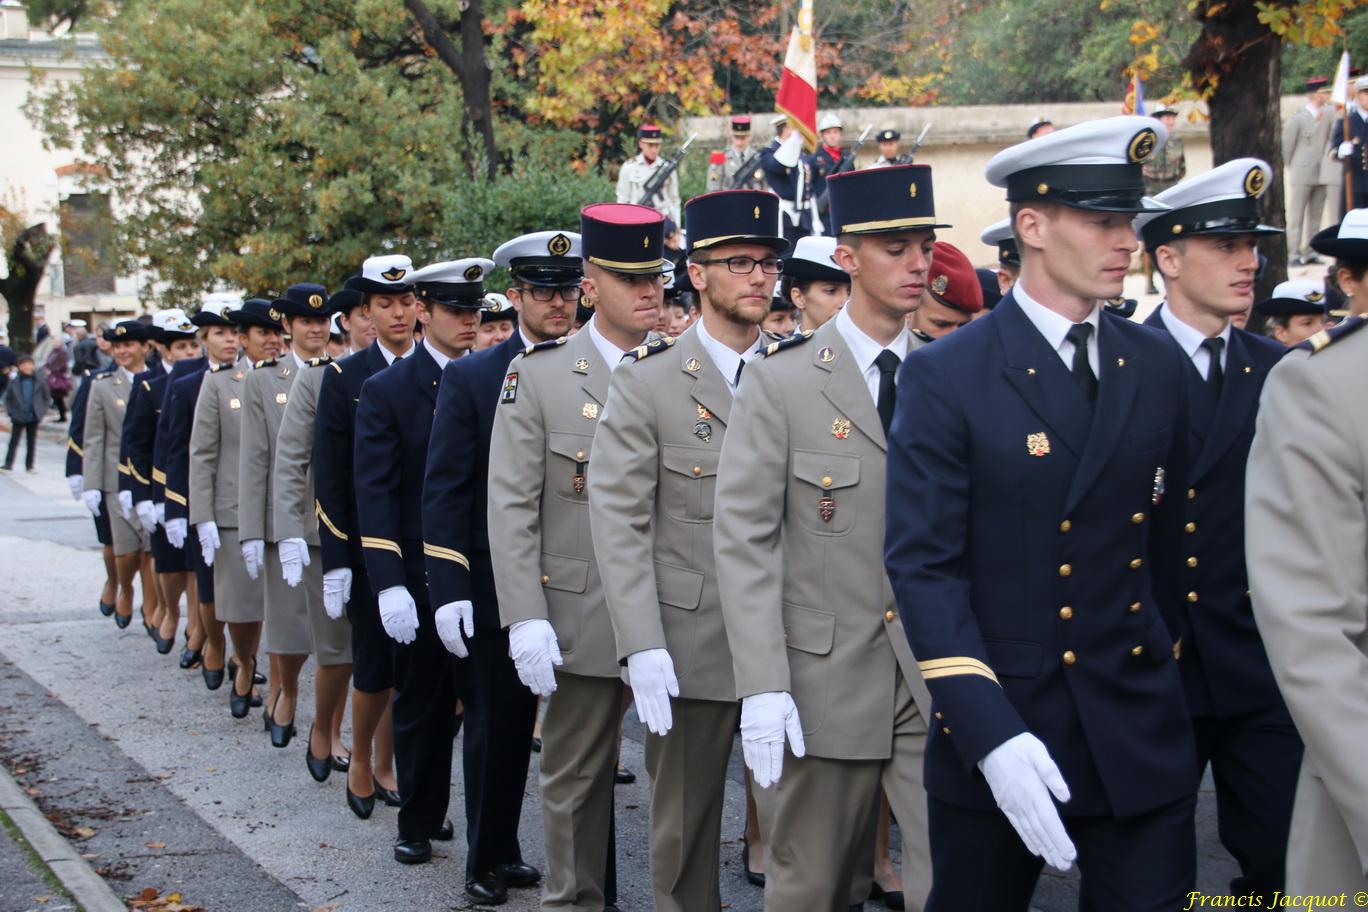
x: 26, y: 401
x: 1162, y: 170
x: 7, y: 361
x: 85, y: 353
x: 58, y: 370
x: 1306, y: 156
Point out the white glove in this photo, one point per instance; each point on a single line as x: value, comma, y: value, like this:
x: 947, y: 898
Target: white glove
x: 294, y: 557
x: 1022, y: 777
x: 93, y: 499
x: 126, y: 504
x: 336, y: 591
x: 1346, y: 149
x: 652, y: 676
x: 453, y: 618
x: 254, y: 555
x: 176, y: 530
x: 161, y: 513
x: 209, y: 540
x: 766, y: 718
x: 77, y: 485
x: 534, y: 650
x: 790, y: 150
x: 398, y: 614
x: 147, y: 514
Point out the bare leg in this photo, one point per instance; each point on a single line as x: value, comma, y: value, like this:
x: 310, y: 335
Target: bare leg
x: 331, y: 683
x: 885, y: 872
x: 244, y: 638
x: 126, y: 566
x: 172, y: 586
x: 383, y: 760
x: 372, y: 742
x: 194, y: 632
x: 111, y: 585
x: 290, y: 666
x: 151, y: 604
x: 211, y: 630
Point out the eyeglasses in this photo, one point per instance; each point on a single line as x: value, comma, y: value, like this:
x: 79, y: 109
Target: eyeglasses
x: 570, y: 294
x: 744, y: 265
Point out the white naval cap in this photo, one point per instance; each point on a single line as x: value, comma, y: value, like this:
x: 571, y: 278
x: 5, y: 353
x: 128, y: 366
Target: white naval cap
x: 1295, y: 296
x: 1348, y: 239
x: 497, y: 307
x: 173, y: 320
x: 1224, y: 200
x: 814, y: 259
x: 543, y: 258
x: 830, y: 122
x: 214, y: 309
x: 78, y: 323
x: 388, y: 274
x: 335, y: 325
x: 1361, y: 84
x: 999, y: 235
x: 778, y: 120
x: 1094, y: 165
x: 455, y: 283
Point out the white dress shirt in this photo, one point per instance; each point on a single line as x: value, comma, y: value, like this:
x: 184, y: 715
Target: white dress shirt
x: 127, y: 375
x: 864, y: 350
x: 1055, y: 327
x: 300, y: 363
x: 725, y: 358
x: 607, y: 350
x: 390, y: 356
x: 437, y: 356
x: 1190, y: 341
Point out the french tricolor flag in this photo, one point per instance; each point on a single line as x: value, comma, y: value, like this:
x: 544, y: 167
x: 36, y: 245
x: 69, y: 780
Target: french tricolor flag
x: 797, y: 96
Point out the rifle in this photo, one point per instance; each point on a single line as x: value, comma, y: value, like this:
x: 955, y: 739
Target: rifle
x: 747, y: 170
x: 662, y: 174
x: 911, y: 154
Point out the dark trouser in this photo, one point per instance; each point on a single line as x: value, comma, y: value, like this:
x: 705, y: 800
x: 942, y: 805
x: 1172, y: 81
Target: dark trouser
x: 499, y: 714
x: 204, y: 574
x: 1255, y: 759
x: 22, y: 427
x: 1134, y: 864
x: 59, y: 400
x: 373, y: 655
x: 424, y: 724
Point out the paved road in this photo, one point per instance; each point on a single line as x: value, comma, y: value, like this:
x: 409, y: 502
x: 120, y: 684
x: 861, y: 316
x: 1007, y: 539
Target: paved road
x: 160, y: 788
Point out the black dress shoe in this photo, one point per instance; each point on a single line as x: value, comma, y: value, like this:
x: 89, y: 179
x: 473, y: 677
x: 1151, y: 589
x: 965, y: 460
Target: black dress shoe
x: 239, y: 704
x: 623, y: 776
x: 389, y: 796
x: 122, y: 620
x: 106, y: 609
x: 361, y: 807
x: 518, y: 874
x: 213, y: 679
x: 163, y: 646
x: 892, y: 899
x: 412, y: 851
x: 487, y: 890
x: 280, y: 734
x: 190, y: 658
x: 341, y: 763
x: 319, y: 769
x: 536, y: 745
x: 446, y: 833
x: 257, y: 677
x: 752, y: 877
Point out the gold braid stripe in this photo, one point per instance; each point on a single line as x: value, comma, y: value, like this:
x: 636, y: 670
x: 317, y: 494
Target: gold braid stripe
x: 381, y: 544
x: 955, y: 665
x: 318, y: 509
x: 134, y: 472
x: 71, y: 445
x: 446, y: 554
x: 158, y: 476
x: 174, y: 497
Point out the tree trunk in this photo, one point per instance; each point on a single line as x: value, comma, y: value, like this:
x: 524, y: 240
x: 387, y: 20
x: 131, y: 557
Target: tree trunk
x: 1244, y: 58
x: 470, y: 66
x: 27, y: 258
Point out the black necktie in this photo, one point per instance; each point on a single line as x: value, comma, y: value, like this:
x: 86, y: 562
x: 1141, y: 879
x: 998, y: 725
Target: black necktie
x: 1215, y: 374
x: 1082, y: 368
x: 887, y: 363
x: 736, y: 381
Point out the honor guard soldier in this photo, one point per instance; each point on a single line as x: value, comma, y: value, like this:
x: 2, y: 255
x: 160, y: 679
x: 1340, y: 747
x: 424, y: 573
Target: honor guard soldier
x: 1312, y: 172
x: 296, y: 527
x: 722, y: 174
x: 1307, y: 540
x: 820, y: 658
x: 788, y: 173
x: 389, y: 306
x: 75, y: 476
x: 1350, y: 140
x: 546, y: 270
x: 1296, y: 311
x: 215, y: 444
x: 1206, y: 248
x: 829, y: 154
x: 999, y: 235
x: 1054, y: 674
x: 304, y: 310
x: 393, y: 424
x: 952, y: 297
x: 549, y: 594
x: 498, y: 321
x: 813, y: 282
x: 888, y: 140
x: 636, y: 172
x: 219, y: 342
x: 651, y: 507
x: 102, y: 434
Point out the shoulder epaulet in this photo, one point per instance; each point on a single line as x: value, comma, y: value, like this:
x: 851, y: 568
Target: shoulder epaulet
x: 104, y: 376
x: 147, y: 386
x: 1325, y: 337
x: 788, y: 342
x: 337, y: 367
x: 543, y: 346
x: 319, y: 362
x: 266, y: 362
x: 215, y: 368
x: 655, y: 346
x: 922, y: 336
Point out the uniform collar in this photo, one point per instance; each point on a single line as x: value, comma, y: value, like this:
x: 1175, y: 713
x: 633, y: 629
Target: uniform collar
x: 610, y: 353
x: 389, y: 356
x: 1188, y: 339
x: 441, y: 359
x: 1052, y: 325
x: 864, y: 349
x: 725, y: 358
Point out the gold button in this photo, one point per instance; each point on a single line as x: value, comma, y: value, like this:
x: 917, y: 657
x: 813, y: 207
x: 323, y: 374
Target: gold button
x: 1069, y: 657
x: 1190, y: 528
x: 826, y: 481
x: 1136, y: 563
x: 580, y: 454
x: 698, y: 470
x: 1065, y: 570
x: 945, y: 730
x: 1137, y: 518
x: 1192, y: 561
x: 889, y: 616
x: 1192, y: 598
x: 1065, y: 526
x: 940, y: 715
x: 1065, y: 613
x: 1192, y: 493
x: 545, y: 580
x: 1137, y: 650
x: 1134, y: 607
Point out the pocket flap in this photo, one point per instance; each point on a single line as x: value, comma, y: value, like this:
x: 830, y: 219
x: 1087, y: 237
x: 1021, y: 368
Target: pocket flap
x: 809, y: 630
x: 1013, y: 657
x: 567, y: 574
x: 574, y: 447
x: 695, y: 462
x: 826, y: 470
x: 678, y: 586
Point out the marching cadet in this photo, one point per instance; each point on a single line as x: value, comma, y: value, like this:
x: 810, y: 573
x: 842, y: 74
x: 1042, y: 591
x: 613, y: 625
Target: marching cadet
x: 549, y: 594
x: 215, y: 444
x: 303, y: 308
x: 952, y: 296
x: 636, y: 172
x: 814, y: 283
x: 103, y: 433
x: 788, y: 174
x: 1206, y: 249
x: 1040, y: 126
x: 546, y: 270
x: 388, y: 304
x: 347, y: 310
x: 999, y: 235
x: 75, y: 476
x: 651, y: 507
x: 498, y: 321
x: 219, y: 342
x: 722, y: 174
x: 338, y: 344
x: 296, y: 526
x: 1306, y: 542
x: 1347, y: 242
x: 799, y: 521
x: 393, y: 425
x: 1053, y: 671
x: 1296, y: 311
x: 888, y: 140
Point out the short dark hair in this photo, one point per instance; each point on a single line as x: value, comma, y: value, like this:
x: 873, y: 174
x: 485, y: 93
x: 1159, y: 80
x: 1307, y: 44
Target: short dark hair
x: 1355, y: 267
x: 22, y: 357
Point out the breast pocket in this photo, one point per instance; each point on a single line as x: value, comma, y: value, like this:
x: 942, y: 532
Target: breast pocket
x: 689, y: 482
x: 568, y: 468
x: 824, y: 479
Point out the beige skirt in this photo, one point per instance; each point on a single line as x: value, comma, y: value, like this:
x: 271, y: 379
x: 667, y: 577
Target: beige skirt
x: 331, y: 639
x: 238, y: 599
x: 129, y: 536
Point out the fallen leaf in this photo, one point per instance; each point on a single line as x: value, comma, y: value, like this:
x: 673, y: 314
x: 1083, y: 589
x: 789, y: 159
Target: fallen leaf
x: 42, y: 900
x: 32, y: 792
x: 147, y: 895
x: 82, y: 832
x: 156, y: 845
x: 90, y: 856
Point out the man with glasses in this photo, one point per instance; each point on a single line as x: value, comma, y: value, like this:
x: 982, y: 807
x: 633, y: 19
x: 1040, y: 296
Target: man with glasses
x: 499, y: 713
x: 651, y: 508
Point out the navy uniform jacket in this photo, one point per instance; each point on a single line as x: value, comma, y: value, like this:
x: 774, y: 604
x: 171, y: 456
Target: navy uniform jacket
x: 139, y: 431
x: 1225, y: 669
x: 334, y: 438
x: 75, y: 455
x: 1032, y: 549
x: 161, y: 444
x: 177, y: 421
x: 784, y: 181
x: 393, y: 424
x: 455, y: 517
x: 1357, y: 129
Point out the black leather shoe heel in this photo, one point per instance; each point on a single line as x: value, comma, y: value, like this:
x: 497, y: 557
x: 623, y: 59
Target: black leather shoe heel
x: 106, y: 609
x: 446, y: 833
x: 412, y: 851
x: 280, y: 734
x: 213, y: 679
x: 122, y: 620
x: 518, y: 874
x: 361, y: 807
x: 487, y: 890
x: 319, y: 769
x: 389, y: 796
x: 190, y: 658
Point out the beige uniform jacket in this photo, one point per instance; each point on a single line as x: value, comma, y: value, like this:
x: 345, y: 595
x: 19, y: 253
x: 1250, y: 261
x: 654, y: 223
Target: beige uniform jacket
x: 293, y: 514
x: 1306, y: 149
x: 633, y: 177
x: 265, y: 395
x: 543, y: 438
x: 104, y: 429
x: 651, y: 512
x: 1306, y: 536
x: 800, y: 534
x: 215, y: 440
